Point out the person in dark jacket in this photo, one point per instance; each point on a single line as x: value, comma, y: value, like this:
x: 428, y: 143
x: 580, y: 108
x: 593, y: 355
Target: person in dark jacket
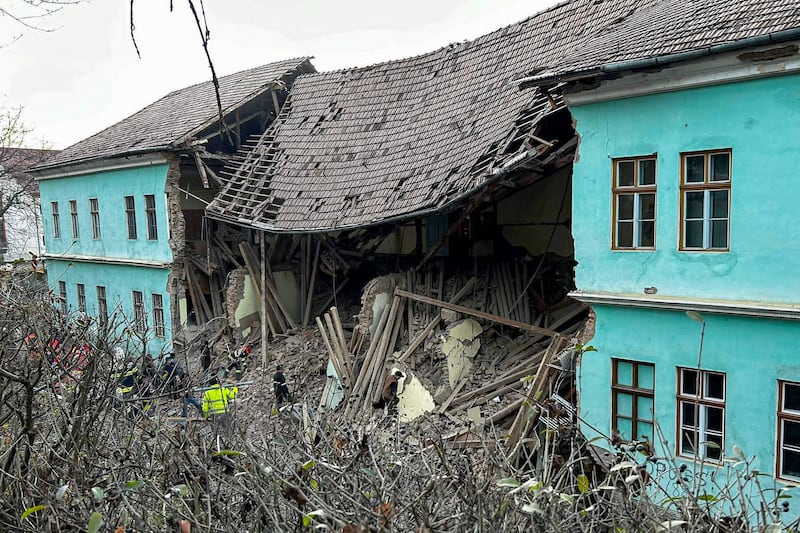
x: 279, y: 384
x: 389, y: 393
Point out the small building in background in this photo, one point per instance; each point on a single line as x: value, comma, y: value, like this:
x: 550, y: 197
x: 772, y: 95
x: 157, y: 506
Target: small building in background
x: 123, y: 209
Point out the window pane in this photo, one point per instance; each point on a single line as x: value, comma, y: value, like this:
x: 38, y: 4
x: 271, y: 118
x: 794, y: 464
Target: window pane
x: 625, y: 207
x: 689, y: 382
x: 625, y: 234
x: 688, y: 413
x: 687, y: 442
x: 713, y: 419
x: 694, y: 205
x: 645, y: 376
x: 720, y: 167
x: 624, y: 404
x: 644, y: 408
x: 647, y: 234
x: 647, y: 206
x: 625, y: 171
x: 694, y: 234
x: 624, y: 373
x: 714, y: 452
x: 625, y: 428
x: 695, y: 168
x: 790, y: 463
x: 645, y: 429
x: 791, y: 433
x: 719, y: 204
x: 647, y: 172
x: 719, y: 234
x: 715, y: 386
x: 791, y: 396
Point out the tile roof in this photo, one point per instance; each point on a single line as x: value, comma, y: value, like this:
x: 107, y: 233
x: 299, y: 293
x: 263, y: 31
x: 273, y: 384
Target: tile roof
x: 177, y: 116
x: 364, y: 145
x: 670, y: 27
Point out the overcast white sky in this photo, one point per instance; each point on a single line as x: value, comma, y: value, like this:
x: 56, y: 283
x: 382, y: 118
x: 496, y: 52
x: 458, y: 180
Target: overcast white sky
x: 85, y: 75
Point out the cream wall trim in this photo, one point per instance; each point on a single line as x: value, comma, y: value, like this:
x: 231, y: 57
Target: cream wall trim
x: 102, y: 165
x: 724, y: 68
x: 738, y: 308
x: 108, y: 260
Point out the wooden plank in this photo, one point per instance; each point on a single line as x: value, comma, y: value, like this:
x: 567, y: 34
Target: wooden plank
x: 453, y: 394
x: 475, y: 313
x: 311, y: 285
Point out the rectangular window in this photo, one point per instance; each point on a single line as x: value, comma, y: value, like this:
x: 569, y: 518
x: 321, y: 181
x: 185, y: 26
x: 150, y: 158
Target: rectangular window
x: 632, y: 389
x: 705, y: 200
x: 130, y: 214
x: 139, y: 319
x: 73, y: 216
x: 158, y: 315
x: 102, y: 305
x: 634, y: 207
x: 62, y: 296
x: 701, y: 413
x: 81, y: 297
x: 56, y: 220
x: 152, y: 221
x: 94, y: 210
x: 788, y: 455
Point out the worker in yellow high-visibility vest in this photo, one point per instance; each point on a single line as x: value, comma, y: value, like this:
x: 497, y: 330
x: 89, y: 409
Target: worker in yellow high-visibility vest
x: 217, y: 403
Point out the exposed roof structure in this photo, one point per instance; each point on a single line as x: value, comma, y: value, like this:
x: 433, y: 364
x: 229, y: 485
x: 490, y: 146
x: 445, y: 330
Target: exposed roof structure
x: 402, y: 138
x: 672, y: 30
x: 178, y: 116
x: 365, y: 145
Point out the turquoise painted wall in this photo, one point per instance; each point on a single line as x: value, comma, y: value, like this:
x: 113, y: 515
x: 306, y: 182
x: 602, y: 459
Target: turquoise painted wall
x: 110, y: 189
x: 760, y: 121
x: 670, y: 339
x: 754, y: 353
x: 119, y: 281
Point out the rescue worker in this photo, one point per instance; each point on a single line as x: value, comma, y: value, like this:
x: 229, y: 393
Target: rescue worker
x: 389, y: 397
x: 127, y: 386
x: 171, y: 374
x: 279, y: 384
x: 217, y: 404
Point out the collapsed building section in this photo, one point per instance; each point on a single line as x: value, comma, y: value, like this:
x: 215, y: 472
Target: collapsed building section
x: 441, y: 187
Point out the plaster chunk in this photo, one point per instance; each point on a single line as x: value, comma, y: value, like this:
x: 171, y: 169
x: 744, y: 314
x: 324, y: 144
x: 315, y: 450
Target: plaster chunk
x: 460, y: 346
x: 415, y: 399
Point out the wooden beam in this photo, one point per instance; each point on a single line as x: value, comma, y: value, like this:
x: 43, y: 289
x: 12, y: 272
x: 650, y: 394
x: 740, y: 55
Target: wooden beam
x: 475, y: 313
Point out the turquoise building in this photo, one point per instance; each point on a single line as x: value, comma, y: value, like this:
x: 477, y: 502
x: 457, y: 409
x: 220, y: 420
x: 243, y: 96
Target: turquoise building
x: 684, y: 200
x: 123, y: 209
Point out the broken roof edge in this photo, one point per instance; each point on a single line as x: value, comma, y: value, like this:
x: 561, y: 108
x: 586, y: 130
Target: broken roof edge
x: 618, y: 67
x: 511, y: 165
x: 266, y: 87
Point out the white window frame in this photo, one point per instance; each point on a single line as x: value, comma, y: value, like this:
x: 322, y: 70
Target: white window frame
x: 94, y: 211
x: 102, y: 304
x: 139, y: 314
x: 81, y: 288
x: 637, y: 190
x: 158, y: 315
x: 707, y: 186
x: 703, y: 403
x: 151, y: 218
x: 130, y: 218
x: 56, y: 220
x: 73, y: 217
x: 62, y: 294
